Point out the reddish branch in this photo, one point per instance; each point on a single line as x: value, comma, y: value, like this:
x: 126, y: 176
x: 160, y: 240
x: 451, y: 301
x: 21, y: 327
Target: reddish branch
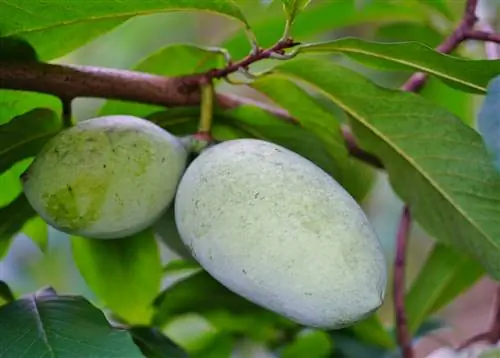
x: 402, y: 333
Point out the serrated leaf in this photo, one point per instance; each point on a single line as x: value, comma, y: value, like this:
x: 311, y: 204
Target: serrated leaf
x: 294, y: 7
x: 309, y: 343
x: 436, y: 163
x: 445, y: 274
x: 12, y: 219
x: 322, y: 16
x: 55, y: 28
x: 125, y: 274
x: 25, y: 135
x: 353, y: 175
x: 154, y: 344
x: 468, y: 75
x: 47, y: 325
x: 488, y: 120
x: 172, y: 60
x: 38, y: 231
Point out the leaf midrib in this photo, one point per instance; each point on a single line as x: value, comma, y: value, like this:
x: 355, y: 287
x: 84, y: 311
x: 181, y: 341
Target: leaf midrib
x: 406, y: 63
x: 410, y: 160
x: 23, y: 142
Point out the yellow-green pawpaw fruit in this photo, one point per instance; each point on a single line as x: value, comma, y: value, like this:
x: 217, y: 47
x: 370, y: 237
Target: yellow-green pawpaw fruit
x: 106, y: 177
x: 276, y: 229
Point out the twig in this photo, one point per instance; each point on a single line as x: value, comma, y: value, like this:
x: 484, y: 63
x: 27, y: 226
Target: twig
x: 482, y: 36
x: 491, y: 336
x: 402, y: 332
x: 464, y: 28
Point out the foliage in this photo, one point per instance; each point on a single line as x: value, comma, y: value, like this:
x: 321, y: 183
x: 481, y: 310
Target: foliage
x: 313, y: 91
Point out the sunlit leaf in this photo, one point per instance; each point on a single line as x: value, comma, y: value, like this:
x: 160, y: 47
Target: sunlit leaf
x: 38, y: 231
x: 436, y: 163
x: 172, y: 60
x: 124, y: 273
x: 309, y: 343
x: 47, y: 325
x: 469, y: 75
x: 55, y: 28
x: 294, y: 7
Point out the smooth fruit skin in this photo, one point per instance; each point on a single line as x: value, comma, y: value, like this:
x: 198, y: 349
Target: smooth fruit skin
x: 276, y: 229
x: 107, y: 177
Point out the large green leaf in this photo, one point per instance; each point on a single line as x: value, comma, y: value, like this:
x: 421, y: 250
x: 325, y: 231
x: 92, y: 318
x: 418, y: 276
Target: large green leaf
x: 436, y: 163
x: 172, y: 60
x: 56, y: 27
x: 356, y: 177
x: 322, y: 16
x: 47, y: 325
x: 124, y: 273
x: 12, y: 219
x: 469, y: 75
x: 25, y: 135
x: 445, y: 274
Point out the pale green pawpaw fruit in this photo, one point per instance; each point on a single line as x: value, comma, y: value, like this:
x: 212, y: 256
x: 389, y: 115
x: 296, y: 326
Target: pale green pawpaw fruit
x: 106, y: 177
x: 276, y: 229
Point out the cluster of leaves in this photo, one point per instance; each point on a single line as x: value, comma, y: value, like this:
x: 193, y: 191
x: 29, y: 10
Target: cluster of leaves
x: 435, y: 160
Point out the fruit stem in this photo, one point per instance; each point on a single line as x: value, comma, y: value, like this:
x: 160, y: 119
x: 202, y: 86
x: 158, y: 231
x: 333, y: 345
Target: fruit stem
x: 207, y: 106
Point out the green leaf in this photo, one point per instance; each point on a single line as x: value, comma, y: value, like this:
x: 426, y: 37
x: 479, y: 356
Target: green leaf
x: 47, y: 325
x: 488, y: 120
x: 322, y: 16
x: 25, y: 135
x: 222, y: 346
x: 468, y: 75
x: 371, y: 330
x: 55, y: 28
x: 198, y: 293
x: 436, y: 163
x: 172, y: 60
x: 192, y: 332
x: 294, y: 7
x: 440, y: 6
x: 166, y: 229
x: 309, y: 343
x: 124, y: 273
x: 347, y: 346
x: 12, y: 219
x: 38, y: 231
x: 445, y: 274
x: 154, y: 344
x: 353, y: 175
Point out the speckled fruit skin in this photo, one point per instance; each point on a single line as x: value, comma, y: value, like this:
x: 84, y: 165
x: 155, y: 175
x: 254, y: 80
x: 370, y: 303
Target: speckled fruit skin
x: 276, y: 229
x: 107, y: 177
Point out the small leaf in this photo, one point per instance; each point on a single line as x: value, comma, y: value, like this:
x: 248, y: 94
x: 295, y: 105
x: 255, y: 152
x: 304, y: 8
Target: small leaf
x: 124, y: 273
x: 468, y: 75
x: 192, y: 332
x: 347, y: 346
x: 38, y: 231
x: 222, y: 346
x: 6, y: 294
x: 180, y: 265
x: 445, y: 274
x: 12, y: 219
x: 489, y: 120
x: 65, y: 27
x: 154, y: 344
x: 172, y: 60
x: 353, y: 175
x: 47, y: 325
x: 294, y: 7
x: 309, y: 343
x: 436, y: 163
x: 25, y: 135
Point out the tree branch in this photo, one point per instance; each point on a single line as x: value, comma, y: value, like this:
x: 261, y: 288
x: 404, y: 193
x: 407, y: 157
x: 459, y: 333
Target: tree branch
x: 402, y: 332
